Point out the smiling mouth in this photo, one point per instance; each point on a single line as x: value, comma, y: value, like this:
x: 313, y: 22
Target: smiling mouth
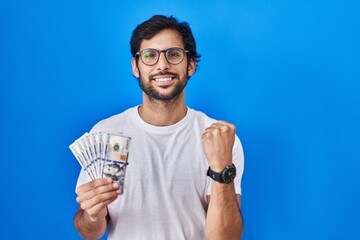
x: 167, y: 79
x: 164, y: 81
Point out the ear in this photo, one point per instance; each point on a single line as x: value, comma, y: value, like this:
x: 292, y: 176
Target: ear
x: 192, y: 67
x: 135, y: 68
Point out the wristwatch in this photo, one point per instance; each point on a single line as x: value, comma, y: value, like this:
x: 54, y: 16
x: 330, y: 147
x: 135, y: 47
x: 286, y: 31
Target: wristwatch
x: 226, y: 176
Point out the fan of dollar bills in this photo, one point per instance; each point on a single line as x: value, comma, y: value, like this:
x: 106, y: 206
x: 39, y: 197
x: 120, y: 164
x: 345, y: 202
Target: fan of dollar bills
x: 102, y: 154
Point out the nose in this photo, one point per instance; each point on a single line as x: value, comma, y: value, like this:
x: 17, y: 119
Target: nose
x: 163, y: 63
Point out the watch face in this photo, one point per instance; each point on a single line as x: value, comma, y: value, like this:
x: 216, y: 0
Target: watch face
x: 229, y: 174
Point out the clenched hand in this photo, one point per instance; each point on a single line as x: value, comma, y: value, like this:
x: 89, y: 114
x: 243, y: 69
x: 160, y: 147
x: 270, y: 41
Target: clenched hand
x: 218, y: 141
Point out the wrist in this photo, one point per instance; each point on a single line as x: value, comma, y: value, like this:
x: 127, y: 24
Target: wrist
x: 93, y: 219
x: 219, y: 166
x: 226, y: 175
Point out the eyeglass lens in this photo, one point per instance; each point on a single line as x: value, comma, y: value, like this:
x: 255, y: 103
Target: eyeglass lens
x: 172, y: 55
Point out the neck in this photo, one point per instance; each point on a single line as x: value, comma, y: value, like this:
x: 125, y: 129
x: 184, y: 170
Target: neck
x: 162, y: 113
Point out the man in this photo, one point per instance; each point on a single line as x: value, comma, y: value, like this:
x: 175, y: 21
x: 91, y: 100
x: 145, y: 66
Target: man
x: 179, y: 183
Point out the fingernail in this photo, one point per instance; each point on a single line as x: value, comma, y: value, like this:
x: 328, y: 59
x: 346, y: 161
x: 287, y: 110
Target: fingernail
x: 115, y: 185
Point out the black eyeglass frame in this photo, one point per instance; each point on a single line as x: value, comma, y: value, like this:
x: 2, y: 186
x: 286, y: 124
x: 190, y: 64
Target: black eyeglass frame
x: 138, y: 54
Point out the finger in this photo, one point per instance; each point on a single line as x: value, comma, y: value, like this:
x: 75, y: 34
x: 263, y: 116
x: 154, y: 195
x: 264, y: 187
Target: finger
x: 94, y: 184
x: 216, y: 125
x: 215, y: 129
x: 95, y: 210
x: 83, y: 196
x: 212, y: 127
x: 98, y: 199
x: 224, y: 123
x: 221, y: 126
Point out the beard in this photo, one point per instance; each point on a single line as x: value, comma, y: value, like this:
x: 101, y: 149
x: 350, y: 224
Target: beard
x: 153, y: 94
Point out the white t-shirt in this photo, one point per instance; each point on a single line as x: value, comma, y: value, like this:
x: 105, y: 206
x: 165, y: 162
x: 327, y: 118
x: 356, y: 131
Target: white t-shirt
x: 165, y: 185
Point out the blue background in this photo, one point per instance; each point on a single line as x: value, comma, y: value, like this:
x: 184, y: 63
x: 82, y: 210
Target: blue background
x: 285, y: 72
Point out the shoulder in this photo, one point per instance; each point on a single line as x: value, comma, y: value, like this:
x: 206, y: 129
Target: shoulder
x: 114, y: 121
x: 201, y: 117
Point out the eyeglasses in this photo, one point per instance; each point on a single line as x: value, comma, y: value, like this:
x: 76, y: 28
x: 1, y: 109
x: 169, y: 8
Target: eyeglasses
x: 150, y: 56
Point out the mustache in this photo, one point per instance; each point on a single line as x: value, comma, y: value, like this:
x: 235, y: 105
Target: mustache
x: 164, y: 73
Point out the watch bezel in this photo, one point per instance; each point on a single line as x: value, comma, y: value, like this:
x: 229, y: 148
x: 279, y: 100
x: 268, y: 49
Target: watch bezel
x: 229, y: 174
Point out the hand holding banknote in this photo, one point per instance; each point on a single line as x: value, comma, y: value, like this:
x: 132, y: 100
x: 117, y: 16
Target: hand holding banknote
x: 104, y: 157
x: 95, y: 196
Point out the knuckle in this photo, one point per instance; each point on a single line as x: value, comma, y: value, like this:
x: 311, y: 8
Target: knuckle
x: 96, y: 191
x: 80, y: 189
x: 205, y: 134
x: 216, y: 131
x: 98, y: 198
x: 92, y: 184
x: 230, y: 127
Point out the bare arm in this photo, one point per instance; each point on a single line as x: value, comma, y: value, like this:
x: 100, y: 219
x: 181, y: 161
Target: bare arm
x: 92, y: 216
x: 87, y: 228
x: 224, y: 219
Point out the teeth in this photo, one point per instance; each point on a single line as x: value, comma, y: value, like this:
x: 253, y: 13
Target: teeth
x: 163, y: 79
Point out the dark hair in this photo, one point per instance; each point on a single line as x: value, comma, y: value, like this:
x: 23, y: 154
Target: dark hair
x: 156, y: 24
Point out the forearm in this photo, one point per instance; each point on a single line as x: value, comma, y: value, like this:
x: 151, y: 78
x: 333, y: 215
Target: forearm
x: 87, y: 228
x: 224, y: 220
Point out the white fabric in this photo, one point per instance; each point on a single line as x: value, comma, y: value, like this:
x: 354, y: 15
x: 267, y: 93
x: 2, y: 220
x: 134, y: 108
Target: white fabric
x: 166, y: 185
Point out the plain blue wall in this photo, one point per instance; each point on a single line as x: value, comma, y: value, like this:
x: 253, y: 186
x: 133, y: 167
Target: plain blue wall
x: 285, y: 72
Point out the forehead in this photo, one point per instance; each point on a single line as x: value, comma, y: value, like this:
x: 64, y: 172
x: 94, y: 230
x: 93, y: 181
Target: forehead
x: 165, y: 39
